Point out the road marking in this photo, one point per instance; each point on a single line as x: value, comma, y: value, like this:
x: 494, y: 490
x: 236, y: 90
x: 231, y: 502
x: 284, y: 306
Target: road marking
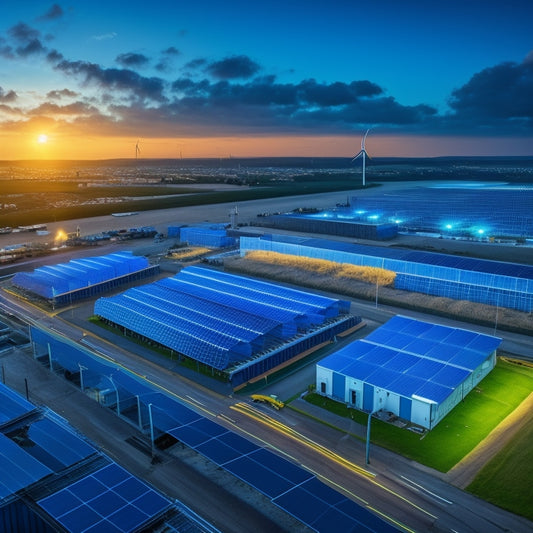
x: 195, y: 400
x: 428, y: 491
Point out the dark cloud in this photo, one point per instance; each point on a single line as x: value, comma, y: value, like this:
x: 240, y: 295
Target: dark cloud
x: 21, y: 33
x: 6, y: 50
x: 7, y: 97
x: 53, y: 13
x: 195, y: 64
x: 63, y: 93
x: 497, y: 96
x: 132, y: 60
x: 171, y: 51
x: 28, y: 40
x: 74, y: 109
x: 115, y: 79
x: 233, y: 67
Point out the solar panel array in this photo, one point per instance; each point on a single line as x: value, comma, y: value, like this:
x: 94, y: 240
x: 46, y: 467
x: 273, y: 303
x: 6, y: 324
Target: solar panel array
x: 32, y: 444
x: 217, y: 318
x: 410, y: 357
x: 480, y: 280
x: 110, y: 500
x: 289, y: 486
x: 51, y: 281
x: 497, y: 210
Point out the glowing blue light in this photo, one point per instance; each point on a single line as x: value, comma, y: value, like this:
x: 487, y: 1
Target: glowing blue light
x: 481, y: 231
x: 373, y: 217
x: 360, y: 212
x: 449, y: 226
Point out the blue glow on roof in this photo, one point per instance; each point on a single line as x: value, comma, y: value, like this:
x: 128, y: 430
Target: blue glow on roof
x: 414, y: 358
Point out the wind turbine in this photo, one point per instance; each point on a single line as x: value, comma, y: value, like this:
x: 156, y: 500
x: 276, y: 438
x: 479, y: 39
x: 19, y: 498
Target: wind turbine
x: 137, y: 150
x: 363, y: 153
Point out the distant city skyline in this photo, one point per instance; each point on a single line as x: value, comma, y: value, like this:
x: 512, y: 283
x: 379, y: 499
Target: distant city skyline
x: 100, y: 80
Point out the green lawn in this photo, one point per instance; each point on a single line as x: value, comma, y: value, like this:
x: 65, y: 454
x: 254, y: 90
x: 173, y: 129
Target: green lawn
x: 462, y: 429
x: 506, y: 480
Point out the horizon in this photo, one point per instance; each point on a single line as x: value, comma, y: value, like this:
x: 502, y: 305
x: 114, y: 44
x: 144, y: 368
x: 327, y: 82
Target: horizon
x: 81, y: 82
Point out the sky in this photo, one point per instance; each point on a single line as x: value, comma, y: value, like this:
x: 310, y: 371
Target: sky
x: 172, y: 78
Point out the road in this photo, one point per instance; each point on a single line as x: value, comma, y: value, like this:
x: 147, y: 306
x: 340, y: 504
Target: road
x: 400, y: 490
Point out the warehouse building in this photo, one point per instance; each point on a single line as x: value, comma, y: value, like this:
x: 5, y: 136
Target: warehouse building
x: 65, y: 283
x: 328, y: 223
x: 241, y: 326
x: 416, y: 371
x: 460, y: 278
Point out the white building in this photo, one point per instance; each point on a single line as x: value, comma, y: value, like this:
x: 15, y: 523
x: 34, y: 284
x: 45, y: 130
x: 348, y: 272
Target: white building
x: 416, y: 370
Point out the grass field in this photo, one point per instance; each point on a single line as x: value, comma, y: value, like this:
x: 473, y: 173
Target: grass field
x: 462, y: 429
x: 506, y: 480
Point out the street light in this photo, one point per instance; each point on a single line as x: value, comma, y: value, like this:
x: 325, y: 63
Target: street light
x: 116, y: 393
x: 368, y: 436
x: 82, y: 368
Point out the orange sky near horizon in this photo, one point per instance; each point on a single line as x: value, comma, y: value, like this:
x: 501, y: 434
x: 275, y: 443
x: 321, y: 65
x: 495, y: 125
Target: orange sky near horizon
x: 43, y: 145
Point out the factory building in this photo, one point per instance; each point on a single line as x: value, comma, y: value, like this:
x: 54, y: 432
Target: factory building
x: 413, y: 370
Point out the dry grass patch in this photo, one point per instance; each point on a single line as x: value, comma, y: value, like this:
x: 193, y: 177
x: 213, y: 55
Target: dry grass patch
x: 476, y: 313
x: 323, y: 267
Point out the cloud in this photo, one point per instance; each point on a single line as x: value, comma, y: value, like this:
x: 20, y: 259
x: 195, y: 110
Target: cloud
x: 75, y: 109
x: 496, y: 97
x: 7, y: 97
x: 53, y: 13
x: 27, y: 39
x: 104, y: 36
x: 132, y: 60
x: 63, y: 93
x: 171, y: 51
x: 115, y: 79
x: 233, y: 67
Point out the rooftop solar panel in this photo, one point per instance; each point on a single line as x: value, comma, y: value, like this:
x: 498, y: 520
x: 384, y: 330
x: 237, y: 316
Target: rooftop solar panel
x: 434, y: 392
x: 111, y: 499
x: 19, y: 469
x: 263, y: 479
x: 12, y: 404
x: 450, y: 376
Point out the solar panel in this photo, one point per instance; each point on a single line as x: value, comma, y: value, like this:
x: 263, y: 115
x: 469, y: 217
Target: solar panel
x: 12, y: 404
x: 110, y: 499
x: 19, y: 469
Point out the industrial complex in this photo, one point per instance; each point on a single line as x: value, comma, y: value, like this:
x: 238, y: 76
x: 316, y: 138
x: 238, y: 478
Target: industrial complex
x: 237, y: 331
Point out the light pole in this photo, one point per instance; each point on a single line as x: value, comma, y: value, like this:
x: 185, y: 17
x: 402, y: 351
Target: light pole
x: 116, y: 393
x: 151, y: 429
x: 367, y: 457
x: 82, y: 368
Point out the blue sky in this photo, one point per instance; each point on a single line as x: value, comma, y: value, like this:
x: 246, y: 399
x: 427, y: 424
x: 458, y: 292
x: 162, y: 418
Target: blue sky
x: 430, y: 78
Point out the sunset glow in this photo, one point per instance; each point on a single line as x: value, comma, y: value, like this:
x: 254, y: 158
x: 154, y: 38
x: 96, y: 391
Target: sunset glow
x: 209, y: 88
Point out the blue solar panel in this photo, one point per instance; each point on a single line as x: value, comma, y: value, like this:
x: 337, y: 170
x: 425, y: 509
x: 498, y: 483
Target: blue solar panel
x: 450, y: 376
x: 19, y: 469
x: 278, y: 464
x: 218, y: 452
x: 406, y: 385
x: 425, y: 369
x: 110, y: 499
x: 360, y: 370
x: 409, y: 357
x: 12, y: 404
x: 434, y: 392
x: 264, y: 480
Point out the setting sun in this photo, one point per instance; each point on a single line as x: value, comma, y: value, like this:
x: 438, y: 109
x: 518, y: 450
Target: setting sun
x: 42, y: 138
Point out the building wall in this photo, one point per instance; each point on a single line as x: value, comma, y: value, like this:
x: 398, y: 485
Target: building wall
x: 370, y: 398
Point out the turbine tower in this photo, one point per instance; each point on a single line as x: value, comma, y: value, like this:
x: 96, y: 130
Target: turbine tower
x: 137, y: 150
x: 364, y: 154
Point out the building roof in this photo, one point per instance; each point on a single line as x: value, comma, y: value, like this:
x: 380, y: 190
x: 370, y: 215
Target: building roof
x: 414, y: 358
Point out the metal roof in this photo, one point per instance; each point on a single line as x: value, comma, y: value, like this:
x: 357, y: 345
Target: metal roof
x: 405, y: 357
